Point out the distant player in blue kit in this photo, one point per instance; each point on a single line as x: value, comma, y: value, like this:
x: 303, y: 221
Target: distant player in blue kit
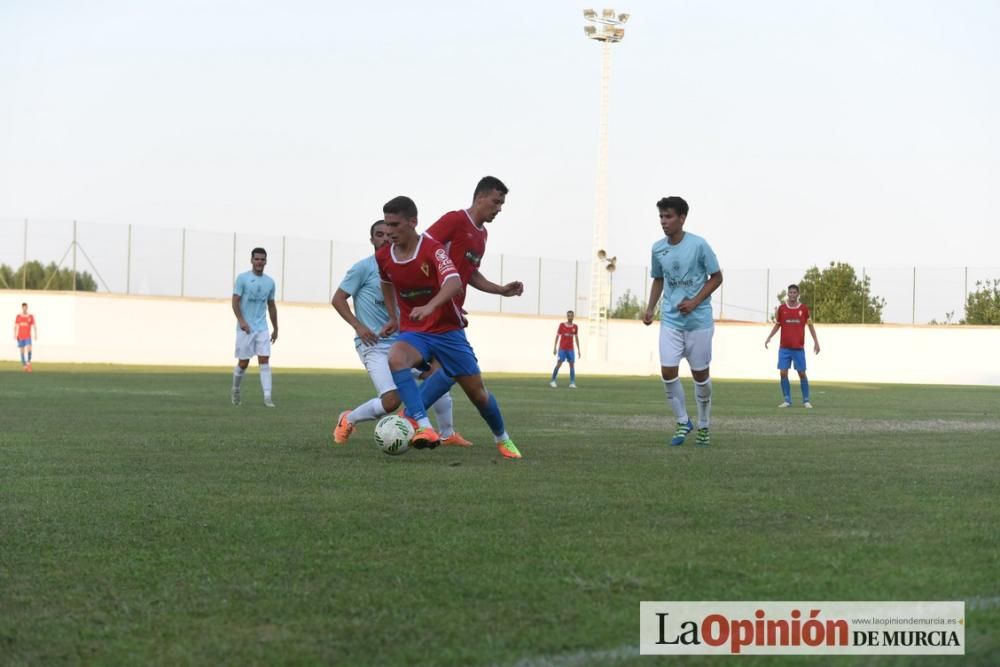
x: 686, y: 272
x: 792, y: 318
x: 253, y: 296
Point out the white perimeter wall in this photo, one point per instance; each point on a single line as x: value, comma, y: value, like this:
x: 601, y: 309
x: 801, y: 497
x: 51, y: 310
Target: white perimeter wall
x: 100, y: 328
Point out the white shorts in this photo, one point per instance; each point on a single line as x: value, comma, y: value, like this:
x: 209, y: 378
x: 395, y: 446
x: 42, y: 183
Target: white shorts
x: 253, y: 344
x: 375, y: 359
x: 695, y: 346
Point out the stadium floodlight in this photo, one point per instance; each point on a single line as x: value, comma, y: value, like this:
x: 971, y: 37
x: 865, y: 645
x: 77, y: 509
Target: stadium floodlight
x: 606, y: 28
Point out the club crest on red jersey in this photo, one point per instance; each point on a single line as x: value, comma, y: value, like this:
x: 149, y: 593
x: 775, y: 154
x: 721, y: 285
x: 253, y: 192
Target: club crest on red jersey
x: 426, y: 268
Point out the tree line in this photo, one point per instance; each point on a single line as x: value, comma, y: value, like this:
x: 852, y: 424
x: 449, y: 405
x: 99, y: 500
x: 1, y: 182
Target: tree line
x: 837, y: 295
x: 35, y: 275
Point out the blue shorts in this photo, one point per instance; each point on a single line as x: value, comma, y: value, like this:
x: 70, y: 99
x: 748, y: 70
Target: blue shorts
x: 23, y: 342
x: 787, y: 356
x: 451, y: 349
x: 567, y: 355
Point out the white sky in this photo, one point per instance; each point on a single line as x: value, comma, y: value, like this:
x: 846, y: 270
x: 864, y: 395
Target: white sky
x: 800, y: 132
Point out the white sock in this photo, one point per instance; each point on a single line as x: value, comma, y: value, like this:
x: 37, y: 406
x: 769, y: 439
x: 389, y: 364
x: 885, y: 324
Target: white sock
x: 502, y: 437
x: 265, y: 379
x: 445, y: 418
x: 675, y: 396
x: 703, y: 396
x: 367, y: 411
x: 238, y: 374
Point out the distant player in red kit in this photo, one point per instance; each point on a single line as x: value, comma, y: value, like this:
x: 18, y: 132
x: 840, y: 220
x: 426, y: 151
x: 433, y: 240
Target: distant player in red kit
x: 792, y: 318
x: 563, y: 345
x: 23, y: 324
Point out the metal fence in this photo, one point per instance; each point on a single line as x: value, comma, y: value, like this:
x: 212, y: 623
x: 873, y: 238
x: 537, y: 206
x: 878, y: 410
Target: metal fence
x: 130, y: 259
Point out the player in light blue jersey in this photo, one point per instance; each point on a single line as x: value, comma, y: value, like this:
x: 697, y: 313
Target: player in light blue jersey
x: 363, y: 285
x: 253, y: 296
x: 685, y: 272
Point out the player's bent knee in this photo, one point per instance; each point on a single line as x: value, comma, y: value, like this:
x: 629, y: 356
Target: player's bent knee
x: 390, y: 401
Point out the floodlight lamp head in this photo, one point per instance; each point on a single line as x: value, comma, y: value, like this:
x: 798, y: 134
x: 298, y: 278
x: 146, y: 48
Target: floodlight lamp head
x: 601, y: 255
x: 589, y: 30
x: 608, y: 13
x: 589, y: 14
x: 623, y: 17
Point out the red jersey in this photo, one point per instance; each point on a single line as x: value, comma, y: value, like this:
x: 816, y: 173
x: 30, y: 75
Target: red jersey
x: 566, y: 333
x: 24, y: 324
x: 464, y: 241
x: 793, y: 325
x: 417, y: 280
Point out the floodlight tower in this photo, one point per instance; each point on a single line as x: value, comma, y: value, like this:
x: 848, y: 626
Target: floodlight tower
x: 606, y: 28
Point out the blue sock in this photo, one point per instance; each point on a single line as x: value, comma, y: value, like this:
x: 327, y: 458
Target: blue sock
x: 410, y: 393
x: 491, y: 413
x: 786, y: 389
x: 555, y: 372
x: 804, y: 383
x: 572, y: 374
x: 434, y: 387
x: 22, y: 358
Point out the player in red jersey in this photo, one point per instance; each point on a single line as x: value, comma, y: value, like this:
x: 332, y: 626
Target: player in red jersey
x: 564, y: 340
x: 463, y: 234
x: 23, y: 324
x: 420, y: 277
x: 792, y: 318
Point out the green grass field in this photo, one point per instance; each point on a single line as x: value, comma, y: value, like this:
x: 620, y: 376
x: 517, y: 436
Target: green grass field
x: 145, y: 520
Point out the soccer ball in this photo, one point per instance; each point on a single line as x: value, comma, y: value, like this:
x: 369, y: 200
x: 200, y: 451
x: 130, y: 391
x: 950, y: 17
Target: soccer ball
x: 392, y: 435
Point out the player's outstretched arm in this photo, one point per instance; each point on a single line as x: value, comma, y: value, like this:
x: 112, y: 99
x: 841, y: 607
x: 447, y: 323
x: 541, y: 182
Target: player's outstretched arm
x: 272, y: 310
x: 483, y: 284
x: 451, y: 288
x: 239, y: 314
x: 655, y: 292
x: 812, y: 330
x: 774, y: 330
x: 339, y: 303
x: 687, y: 306
x: 389, y: 299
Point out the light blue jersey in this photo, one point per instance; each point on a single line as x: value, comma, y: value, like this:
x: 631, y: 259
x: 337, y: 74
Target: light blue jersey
x: 364, y: 285
x: 685, y: 268
x: 254, y: 292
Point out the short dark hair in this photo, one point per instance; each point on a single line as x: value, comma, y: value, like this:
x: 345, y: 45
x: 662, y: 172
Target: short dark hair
x: 258, y: 251
x: 570, y: 312
x: 371, y: 230
x: 401, y: 205
x: 794, y: 287
x: 676, y: 203
x: 24, y: 304
x: 488, y: 184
